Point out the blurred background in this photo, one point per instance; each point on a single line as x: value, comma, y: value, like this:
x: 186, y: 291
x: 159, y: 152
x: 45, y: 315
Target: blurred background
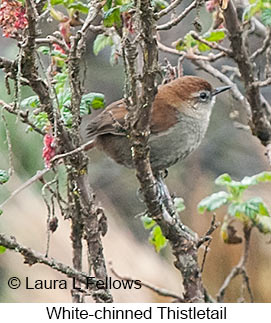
x: 224, y: 150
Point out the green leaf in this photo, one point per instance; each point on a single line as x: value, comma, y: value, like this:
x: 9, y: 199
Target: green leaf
x: 223, y: 180
x: 108, y: 5
x: 180, y: 45
x: 1, y: 212
x: 159, y: 4
x: 64, y: 99
x: 251, y: 10
x: 100, y: 42
x: 215, y: 35
x: 157, y: 238
x: 214, y: 201
x: 45, y: 50
x: 186, y: 43
x: 112, y: 17
x: 261, y: 177
x: 58, y: 54
x: 126, y: 7
x: 266, y: 17
x: 179, y: 204
x: 234, y: 187
x: 66, y: 116
x: 263, y: 224
x: 56, y: 2
x: 92, y: 100
x: 4, y: 176
x: 203, y: 47
x: 40, y: 120
x: 255, y: 206
x: 79, y: 6
x: 236, y: 209
x: 30, y: 102
x: 2, y: 249
x: 61, y: 82
x: 148, y: 222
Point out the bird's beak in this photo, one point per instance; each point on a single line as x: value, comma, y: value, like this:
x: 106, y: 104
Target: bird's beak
x: 220, y: 90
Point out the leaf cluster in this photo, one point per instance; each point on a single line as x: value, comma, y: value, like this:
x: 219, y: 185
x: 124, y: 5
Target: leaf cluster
x: 261, y: 8
x: 156, y: 238
x: 189, y: 42
x: 252, y: 212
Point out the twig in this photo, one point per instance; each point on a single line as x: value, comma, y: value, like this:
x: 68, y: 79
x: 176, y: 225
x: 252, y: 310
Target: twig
x: 6, y: 64
x: 22, y: 114
x: 207, y: 238
x: 262, y: 49
x: 32, y: 257
x: 51, y: 40
x: 33, y: 179
x: 206, y: 250
x: 167, y: 10
x: 212, y: 45
x: 259, y: 121
x: 10, y: 154
x: 81, y: 34
x: 214, y: 225
x: 239, y: 269
x: 49, y: 209
x: 192, y: 56
x: 175, y: 21
x: 262, y: 83
x: 86, y: 146
x: 17, y: 96
x: 233, y: 69
x: 159, y: 291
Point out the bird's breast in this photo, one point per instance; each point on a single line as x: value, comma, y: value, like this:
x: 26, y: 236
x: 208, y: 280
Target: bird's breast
x: 176, y: 143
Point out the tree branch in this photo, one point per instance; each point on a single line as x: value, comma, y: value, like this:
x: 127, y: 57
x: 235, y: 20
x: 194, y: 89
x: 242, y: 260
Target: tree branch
x: 239, y: 269
x: 159, y: 291
x: 176, y: 20
x: 168, y: 9
x: 33, y: 257
x: 259, y: 123
x: 212, y: 45
x: 85, y: 222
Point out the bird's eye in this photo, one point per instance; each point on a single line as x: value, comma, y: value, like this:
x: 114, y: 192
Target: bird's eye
x: 203, y: 96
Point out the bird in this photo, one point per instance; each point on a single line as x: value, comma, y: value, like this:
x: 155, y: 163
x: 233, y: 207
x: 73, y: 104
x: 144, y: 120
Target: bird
x: 179, y: 119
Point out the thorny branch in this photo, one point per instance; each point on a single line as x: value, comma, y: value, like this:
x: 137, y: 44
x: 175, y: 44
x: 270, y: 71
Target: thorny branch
x: 32, y: 257
x: 168, y: 9
x: 259, y: 123
x: 161, y: 209
x: 85, y: 221
x: 176, y: 20
x: 84, y: 213
x: 22, y: 114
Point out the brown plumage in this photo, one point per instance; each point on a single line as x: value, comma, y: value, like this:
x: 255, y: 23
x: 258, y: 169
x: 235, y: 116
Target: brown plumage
x: 179, y: 119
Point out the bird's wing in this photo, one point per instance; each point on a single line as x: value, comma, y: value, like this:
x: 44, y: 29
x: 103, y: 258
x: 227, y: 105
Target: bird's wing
x: 164, y: 114
x: 111, y: 120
